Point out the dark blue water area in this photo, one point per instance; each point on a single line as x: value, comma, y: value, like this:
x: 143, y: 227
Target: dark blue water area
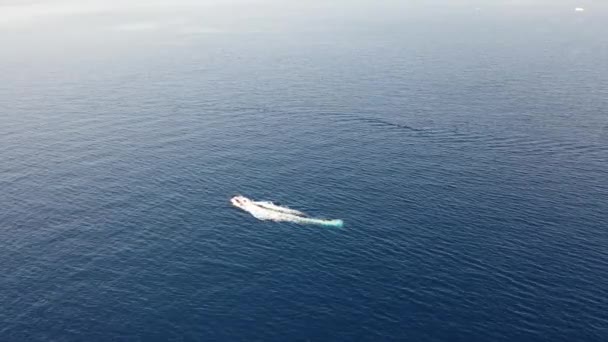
x: 472, y: 176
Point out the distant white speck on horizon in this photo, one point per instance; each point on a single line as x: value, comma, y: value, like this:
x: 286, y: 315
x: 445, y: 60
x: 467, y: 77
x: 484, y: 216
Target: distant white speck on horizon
x: 579, y: 9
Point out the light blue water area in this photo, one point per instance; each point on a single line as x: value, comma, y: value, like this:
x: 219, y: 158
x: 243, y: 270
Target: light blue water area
x: 469, y: 165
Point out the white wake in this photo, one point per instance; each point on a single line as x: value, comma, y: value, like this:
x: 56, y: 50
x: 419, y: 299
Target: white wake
x: 268, y: 211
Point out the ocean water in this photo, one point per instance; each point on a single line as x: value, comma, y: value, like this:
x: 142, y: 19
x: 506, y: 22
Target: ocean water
x: 470, y: 166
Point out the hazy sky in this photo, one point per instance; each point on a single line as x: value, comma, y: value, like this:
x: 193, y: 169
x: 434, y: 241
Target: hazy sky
x: 30, y: 26
x: 216, y: 15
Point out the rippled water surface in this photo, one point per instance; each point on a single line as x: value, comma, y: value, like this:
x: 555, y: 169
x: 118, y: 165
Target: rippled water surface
x: 470, y: 168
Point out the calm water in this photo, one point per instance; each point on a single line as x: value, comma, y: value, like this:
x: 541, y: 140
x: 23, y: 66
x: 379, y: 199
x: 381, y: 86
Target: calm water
x: 470, y: 165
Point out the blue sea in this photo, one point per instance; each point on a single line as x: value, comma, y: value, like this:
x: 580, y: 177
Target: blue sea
x: 466, y: 153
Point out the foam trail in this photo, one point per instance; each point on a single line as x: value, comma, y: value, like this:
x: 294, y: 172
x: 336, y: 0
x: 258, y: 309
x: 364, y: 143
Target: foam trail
x: 272, y: 206
x: 320, y: 222
x: 268, y: 211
